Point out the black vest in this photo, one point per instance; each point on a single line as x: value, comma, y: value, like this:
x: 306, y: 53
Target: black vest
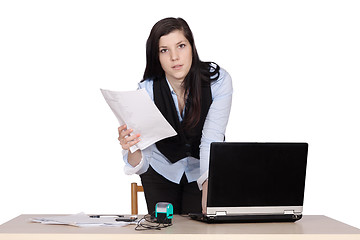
x: 186, y: 142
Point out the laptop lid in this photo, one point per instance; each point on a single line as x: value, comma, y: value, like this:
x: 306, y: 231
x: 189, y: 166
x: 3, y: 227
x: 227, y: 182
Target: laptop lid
x: 256, y: 178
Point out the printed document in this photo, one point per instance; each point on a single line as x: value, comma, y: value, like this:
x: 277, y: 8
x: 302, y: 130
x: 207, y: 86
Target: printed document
x: 80, y: 220
x: 139, y: 112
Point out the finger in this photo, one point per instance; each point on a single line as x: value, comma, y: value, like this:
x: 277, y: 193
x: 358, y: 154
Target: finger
x: 125, y: 147
x: 131, y: 138
x: 125, y: 133
x: 130, y: 144
x: 121, y: 128
x: 125, y: 140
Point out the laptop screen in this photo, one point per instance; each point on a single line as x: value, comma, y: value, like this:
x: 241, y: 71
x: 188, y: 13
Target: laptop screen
x: 257, y: 174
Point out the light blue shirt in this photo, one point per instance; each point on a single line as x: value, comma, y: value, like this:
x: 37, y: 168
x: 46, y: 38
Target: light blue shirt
x: 213, y: 131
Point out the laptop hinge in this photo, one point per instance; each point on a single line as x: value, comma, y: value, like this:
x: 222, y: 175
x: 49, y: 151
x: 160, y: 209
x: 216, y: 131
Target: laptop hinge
x: 289, y: 212
x: 220, y: 213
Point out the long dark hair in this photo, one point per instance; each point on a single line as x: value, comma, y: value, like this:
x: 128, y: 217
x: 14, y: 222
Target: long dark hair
x: 200, y: 72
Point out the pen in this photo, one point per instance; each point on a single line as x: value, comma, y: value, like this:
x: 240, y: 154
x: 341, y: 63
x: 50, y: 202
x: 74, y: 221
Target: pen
x: 130, y: 219
x: 105, y: 215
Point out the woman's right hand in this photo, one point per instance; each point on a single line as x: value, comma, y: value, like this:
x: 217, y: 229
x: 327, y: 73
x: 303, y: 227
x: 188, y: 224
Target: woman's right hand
x: 127, y: 141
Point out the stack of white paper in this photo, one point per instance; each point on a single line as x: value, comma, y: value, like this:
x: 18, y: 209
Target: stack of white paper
x: 80, y: 220
x: 138, y: 112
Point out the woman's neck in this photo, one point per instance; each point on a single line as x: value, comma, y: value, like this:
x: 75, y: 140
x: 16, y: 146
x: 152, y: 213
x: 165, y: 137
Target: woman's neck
x: 177, y: 87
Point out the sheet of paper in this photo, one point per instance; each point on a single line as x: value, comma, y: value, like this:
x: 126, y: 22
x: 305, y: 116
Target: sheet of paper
x: 80, y: 220
x: 139, y: 112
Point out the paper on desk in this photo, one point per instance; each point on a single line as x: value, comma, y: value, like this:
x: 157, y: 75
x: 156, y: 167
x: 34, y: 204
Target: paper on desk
x: 138, y: 112
x: 80, y: 220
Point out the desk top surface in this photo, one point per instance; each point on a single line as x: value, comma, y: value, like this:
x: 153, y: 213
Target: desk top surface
x: 308, y: 225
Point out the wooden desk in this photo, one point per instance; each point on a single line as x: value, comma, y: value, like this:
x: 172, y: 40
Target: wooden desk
x: 310, y: 227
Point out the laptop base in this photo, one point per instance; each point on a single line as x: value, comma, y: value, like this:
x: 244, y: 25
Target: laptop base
x: 245, y: 218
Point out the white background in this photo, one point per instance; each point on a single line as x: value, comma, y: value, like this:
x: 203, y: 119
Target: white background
x: 295, y: 67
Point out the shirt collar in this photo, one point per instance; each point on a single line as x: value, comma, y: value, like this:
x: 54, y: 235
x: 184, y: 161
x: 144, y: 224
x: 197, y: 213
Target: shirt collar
x: 171, y: 88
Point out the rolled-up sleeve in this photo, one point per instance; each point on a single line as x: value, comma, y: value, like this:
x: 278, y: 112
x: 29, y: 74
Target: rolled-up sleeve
x: 216, y: 120
x: 138, y: 169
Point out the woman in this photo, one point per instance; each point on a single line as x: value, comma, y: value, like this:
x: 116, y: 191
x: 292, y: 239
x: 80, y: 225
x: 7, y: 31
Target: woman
x: 195, y: 98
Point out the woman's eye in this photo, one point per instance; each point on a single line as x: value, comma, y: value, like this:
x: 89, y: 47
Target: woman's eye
x: 182, y: 45
x: 163, y: 50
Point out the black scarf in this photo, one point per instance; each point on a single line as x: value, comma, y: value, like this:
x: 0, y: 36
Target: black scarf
x: 186, y: 142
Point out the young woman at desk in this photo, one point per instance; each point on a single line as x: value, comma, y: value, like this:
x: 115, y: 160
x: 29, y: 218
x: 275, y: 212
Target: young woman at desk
x: 195, y: 98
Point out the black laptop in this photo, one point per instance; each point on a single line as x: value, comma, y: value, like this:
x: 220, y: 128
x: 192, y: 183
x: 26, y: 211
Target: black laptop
x: 255, y: 182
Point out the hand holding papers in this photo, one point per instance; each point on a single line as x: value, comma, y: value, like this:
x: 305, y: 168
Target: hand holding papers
x: 138, y: 112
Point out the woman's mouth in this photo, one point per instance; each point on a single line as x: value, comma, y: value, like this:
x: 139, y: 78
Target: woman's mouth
x: 177, y: 67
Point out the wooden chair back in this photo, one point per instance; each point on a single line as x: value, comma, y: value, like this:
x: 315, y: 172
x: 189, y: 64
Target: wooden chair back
x: 134, y: 197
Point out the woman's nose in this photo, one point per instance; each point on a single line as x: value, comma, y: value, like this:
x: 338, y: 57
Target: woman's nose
x: 174, y: 56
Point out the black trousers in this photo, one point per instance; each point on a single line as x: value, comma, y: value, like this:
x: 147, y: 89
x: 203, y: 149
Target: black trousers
x: 185, y: 197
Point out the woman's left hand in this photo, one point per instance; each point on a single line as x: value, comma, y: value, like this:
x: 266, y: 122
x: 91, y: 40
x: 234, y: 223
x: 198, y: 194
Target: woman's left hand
x: 204, y: 196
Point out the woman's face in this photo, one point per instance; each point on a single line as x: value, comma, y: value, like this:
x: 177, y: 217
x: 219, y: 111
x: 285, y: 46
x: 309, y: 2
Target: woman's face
x: 175, y: 55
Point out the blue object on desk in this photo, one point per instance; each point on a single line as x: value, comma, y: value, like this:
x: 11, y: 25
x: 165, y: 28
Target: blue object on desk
x: 164, y: 212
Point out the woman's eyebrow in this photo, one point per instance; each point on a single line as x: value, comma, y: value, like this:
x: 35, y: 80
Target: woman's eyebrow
x: 175, y: 44
x: 182, y: 41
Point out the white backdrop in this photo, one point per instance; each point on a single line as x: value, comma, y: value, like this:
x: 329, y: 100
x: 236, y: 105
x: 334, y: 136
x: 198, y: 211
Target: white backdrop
x: 294, y: 64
